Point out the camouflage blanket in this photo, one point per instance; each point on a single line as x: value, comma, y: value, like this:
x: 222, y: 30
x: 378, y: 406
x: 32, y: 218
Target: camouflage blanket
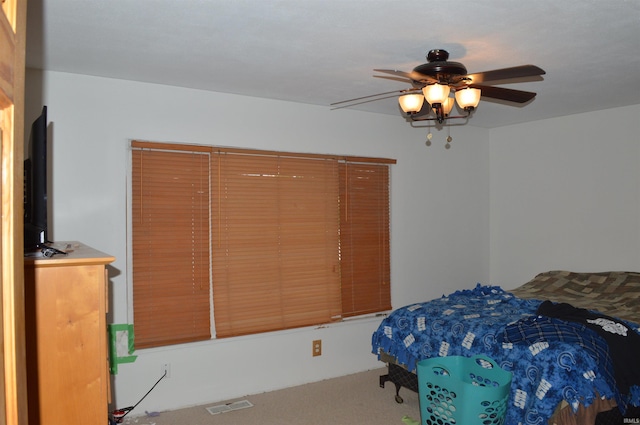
x: 613, y: 293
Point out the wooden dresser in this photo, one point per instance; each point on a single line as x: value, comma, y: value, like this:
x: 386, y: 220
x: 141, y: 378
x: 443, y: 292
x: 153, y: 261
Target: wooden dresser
x: 65, y: 314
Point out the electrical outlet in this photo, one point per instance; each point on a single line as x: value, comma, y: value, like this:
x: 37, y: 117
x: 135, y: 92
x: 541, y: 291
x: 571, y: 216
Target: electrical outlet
x: 166, y: 370
x: 317, y: 347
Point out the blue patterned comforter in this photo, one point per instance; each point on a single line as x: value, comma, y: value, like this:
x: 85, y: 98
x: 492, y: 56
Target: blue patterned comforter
x: 551, y: 360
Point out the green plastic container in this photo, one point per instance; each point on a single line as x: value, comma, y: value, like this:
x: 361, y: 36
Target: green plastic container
x: 459, y: 390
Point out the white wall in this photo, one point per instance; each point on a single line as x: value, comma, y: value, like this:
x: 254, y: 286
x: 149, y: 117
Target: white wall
x: 439, y: 216
x: 565, y: 194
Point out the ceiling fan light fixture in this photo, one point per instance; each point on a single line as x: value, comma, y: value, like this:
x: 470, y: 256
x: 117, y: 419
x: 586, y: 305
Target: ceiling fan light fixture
x: 411, y: 103
x: 468, y: 98
x: 436, y: 93
x: 447, y: 105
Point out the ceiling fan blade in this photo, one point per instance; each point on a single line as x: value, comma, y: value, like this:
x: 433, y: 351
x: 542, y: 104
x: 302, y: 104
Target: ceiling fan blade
x: 413, y: 75
x: 401, y: 79
x: 505, y: 74
x: 395, y: 72
x: 517, y: 96
x: 373, y: 95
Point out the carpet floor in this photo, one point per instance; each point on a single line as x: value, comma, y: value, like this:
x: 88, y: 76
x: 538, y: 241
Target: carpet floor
x: 349, y: 400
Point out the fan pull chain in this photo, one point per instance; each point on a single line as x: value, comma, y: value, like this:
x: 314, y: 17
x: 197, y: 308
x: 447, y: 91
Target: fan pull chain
x: 449, y: 139
x: 429, y: 137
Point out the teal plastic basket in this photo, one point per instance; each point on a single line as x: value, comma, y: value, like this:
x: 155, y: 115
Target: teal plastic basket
x: 459, y: 390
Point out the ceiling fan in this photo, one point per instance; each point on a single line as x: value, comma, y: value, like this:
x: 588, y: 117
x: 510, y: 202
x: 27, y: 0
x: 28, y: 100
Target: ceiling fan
x: 436, y: 79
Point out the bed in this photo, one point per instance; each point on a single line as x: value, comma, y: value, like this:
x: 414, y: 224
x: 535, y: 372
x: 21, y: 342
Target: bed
x: 562, y: 371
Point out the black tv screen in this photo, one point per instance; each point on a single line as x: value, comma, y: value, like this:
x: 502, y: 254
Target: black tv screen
x: 35, y: 186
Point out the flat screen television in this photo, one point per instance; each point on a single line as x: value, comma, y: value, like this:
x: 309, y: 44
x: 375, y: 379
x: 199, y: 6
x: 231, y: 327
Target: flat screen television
x: 35, y: 186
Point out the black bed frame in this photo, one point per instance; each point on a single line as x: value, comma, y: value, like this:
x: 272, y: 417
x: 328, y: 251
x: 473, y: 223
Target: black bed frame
x: 400, y: 377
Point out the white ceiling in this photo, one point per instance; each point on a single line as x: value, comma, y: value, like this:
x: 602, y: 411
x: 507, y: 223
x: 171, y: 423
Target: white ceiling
x: 324, y: 51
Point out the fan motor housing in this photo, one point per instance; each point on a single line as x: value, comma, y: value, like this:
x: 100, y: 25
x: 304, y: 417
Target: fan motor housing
x: 438, y: 67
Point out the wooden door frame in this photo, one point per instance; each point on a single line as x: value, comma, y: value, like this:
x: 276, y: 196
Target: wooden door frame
x: 13, y: 391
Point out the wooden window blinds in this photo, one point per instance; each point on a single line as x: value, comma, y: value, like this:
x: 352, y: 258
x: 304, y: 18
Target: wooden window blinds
x: 170, y: 240
x: 283, y: 240
x: 364, y: 238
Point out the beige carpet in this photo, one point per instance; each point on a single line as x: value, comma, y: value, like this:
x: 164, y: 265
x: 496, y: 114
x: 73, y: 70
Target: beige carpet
x: 350, y: 400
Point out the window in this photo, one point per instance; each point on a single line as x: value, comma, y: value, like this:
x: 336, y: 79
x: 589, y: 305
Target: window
x: 170, y: 240
x: 364, y: 238
x: 275, y: 240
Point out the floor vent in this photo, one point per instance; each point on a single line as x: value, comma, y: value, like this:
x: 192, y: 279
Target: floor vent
x: 228, y: 407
